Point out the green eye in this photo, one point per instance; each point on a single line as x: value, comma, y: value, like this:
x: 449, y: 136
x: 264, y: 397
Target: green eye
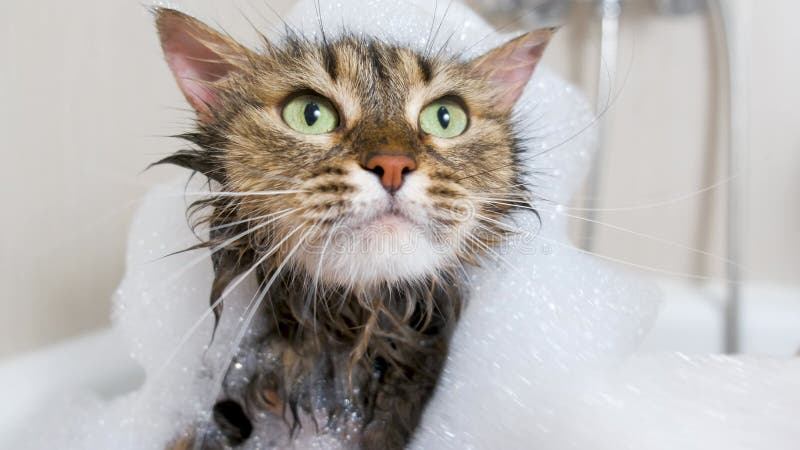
x: 311, y: 114
x: 443, y: 118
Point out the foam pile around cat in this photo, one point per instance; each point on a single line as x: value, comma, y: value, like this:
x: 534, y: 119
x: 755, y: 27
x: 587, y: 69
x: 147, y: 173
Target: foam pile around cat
x: 541, y: 357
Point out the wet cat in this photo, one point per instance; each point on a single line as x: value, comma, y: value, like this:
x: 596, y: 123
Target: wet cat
x: 352, y: 180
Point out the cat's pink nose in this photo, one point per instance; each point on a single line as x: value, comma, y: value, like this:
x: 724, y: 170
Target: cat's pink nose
x: 391, y: 169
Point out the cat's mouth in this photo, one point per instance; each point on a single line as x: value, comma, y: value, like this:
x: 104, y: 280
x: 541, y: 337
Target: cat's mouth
x: 392, y: 219
x: 393, y: 216
x: 383, y: 237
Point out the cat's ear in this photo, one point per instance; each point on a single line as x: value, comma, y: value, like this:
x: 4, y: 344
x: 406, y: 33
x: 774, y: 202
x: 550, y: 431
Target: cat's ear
x: 509, y: 67
x: 198, y: 56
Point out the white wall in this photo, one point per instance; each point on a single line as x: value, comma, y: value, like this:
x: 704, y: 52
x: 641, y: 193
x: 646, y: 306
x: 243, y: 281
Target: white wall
x: 85, y: 103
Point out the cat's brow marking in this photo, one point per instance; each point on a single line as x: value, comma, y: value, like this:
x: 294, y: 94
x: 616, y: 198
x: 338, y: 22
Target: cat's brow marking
x: 425, y: 68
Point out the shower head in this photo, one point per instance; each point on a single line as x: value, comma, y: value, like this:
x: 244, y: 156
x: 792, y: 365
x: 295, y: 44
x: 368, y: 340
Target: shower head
x: 679, y: 7
x: 539, y: 12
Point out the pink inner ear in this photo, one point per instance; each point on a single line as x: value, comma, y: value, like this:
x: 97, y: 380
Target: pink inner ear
x: 510, y: 66
x: 517, y: 72
x: 193, y: 62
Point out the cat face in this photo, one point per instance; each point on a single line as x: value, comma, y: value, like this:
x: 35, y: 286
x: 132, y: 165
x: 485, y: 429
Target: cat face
x: 357, y: 161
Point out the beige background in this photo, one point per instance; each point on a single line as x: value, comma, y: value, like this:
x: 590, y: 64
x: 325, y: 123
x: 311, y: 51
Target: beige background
x: 85, y: 103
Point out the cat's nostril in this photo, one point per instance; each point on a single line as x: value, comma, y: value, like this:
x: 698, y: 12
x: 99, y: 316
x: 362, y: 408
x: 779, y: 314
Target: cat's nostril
x: 391, y: 169
x: 378, y: 170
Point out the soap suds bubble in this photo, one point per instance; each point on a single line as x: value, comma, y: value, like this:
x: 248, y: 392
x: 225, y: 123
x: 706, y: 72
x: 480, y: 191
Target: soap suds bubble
x: 542, y: 357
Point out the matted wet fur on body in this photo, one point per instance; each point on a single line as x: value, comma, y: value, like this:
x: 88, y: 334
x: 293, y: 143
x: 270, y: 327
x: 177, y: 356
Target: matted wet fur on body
x: 356, y: 214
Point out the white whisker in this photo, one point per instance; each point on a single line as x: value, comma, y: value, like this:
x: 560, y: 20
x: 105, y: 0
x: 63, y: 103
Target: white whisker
x: 319, y: 269
x: 255, y: 304
x: 243, y: 194
x: 221, y: 246
x: 635, y: 265
x: 250, y: 219
x: 228, y: 289
x: 666, y: 202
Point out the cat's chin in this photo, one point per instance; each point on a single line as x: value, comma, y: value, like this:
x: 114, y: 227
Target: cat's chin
x: 391, y: 250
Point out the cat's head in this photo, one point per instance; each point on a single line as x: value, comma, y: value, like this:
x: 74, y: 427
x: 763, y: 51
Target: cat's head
x: 360, y: 161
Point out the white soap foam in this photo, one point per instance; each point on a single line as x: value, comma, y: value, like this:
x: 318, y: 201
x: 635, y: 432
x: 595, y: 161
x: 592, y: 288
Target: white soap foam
x: 655, y: 402
x: 541, y: 358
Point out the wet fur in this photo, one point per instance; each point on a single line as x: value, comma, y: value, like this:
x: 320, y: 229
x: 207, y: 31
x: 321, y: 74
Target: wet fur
x: 377, y: 346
